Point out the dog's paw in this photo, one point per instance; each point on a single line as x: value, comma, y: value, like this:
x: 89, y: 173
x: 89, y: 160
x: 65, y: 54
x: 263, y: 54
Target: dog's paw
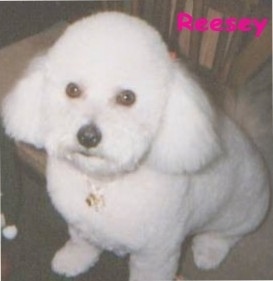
x: 210, y: 250
x: 74, y: 259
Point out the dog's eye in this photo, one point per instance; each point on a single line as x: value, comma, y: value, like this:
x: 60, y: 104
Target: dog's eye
x: 73, y: 90
x: 126, y: 98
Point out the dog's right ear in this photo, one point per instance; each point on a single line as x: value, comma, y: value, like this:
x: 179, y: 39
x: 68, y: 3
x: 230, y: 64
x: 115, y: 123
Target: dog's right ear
x: 21, y: 110
x: 187, y: 139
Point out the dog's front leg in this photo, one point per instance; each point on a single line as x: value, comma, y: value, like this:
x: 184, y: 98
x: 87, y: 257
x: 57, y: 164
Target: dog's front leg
x: 154, y: 265
x: 76, y: 256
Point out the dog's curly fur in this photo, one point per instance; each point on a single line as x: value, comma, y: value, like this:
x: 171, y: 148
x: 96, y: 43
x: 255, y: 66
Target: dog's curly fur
x: 166, y: 166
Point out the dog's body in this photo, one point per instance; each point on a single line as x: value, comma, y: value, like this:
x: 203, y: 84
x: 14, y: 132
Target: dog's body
x: 163, y: 209
x: 161, y: 167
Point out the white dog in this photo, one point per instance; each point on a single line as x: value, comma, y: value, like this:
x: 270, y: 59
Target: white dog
x: 137, y: 157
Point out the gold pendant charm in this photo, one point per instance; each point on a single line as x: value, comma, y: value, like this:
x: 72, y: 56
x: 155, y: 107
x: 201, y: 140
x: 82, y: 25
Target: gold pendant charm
x: 95, y: 201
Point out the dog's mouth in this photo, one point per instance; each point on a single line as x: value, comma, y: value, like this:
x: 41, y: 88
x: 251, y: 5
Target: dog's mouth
x: 94, y: 163
x: 88, y: 154
x: 87, y: 157
x: 85, y: 153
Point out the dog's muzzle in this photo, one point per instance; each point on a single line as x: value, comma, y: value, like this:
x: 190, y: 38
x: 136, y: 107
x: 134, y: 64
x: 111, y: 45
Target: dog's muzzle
x: 89, y: 136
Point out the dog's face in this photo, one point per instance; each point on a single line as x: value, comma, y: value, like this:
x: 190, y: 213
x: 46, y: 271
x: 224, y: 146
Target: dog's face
x: 103, y: 95
x: 107, y: 96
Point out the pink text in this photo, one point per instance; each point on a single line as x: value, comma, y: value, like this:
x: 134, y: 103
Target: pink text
x: 186, y: 21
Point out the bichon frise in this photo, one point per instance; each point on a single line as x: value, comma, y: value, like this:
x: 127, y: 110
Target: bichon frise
x: 137, y: 157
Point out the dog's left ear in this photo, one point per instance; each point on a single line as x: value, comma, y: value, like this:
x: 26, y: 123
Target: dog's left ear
x: 21, y: 111
x: 187, y: 138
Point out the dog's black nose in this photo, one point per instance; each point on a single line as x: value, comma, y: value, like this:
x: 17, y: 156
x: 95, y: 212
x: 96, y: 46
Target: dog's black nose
x: 89, y: 136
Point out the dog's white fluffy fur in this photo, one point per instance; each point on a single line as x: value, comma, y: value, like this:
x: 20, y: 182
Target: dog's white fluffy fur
x: 167, y: 166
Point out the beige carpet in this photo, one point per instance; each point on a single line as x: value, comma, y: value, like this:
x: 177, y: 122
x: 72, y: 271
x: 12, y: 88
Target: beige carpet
x: 252, y: 258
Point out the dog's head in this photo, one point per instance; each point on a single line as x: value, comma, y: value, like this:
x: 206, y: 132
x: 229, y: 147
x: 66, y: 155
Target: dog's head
x: 107, y: 97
